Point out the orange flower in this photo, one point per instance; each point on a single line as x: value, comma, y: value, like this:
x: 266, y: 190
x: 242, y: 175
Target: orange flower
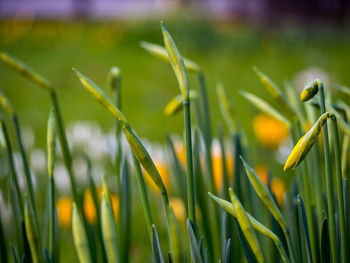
x: 269, y: 131
x: 179, y: 208
x: 89, y: 205
x: 64, y: 208
x: 163, y: 172
x: 218, y: 169
x: 278, y: 188
x: 64, y: 211
x: 180, y: 151
x: 277, y: 185
x: 261, y: 170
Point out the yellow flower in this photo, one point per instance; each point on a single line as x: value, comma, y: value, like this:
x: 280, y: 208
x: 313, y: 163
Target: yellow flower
x: 305, y: 143
x: 278, y: 188
x: 179, y: 208
x: 180, y: 151
x: 269, y: 131
x: 163, y: 172
x: 89, y: 206
x: 218, y: 169
x: 64, y: 211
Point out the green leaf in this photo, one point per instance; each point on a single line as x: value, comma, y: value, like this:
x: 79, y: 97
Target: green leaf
x: 161, y: 53
x: 79, y: 235
x: 246, y: 227
x: 325, y: 245
x: 265, y: 107
x: 304, y: 227
x: 176, y: 61
x: 228, y: 252
x: 135, y: 144
x: 176, y: 244
x: 156, y: 249
x: 25, y: 71
x: 195, y: 252
x: 264, y: 194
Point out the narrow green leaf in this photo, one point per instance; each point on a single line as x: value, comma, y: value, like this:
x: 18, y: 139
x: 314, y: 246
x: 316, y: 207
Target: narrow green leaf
x: 109, y: 230
x: 125, y: 205
x: 79, y: 235
x: 161, y: 53
x: 264, y: 194
x: 226, y: 108
x: 13, y: 254
x: 25, y: 71
x: 6, y: 104
x: 228, y: 252
x: 304, y: 227
x: 175, y: 105
x: 271, y: 87
x: 135, y: 144
x: 32, y: 231
x: 176, y: 61
x: 156, y: 249
x: 246, y: 227
x: 195, y: 253
x: 227, y: 206
x: 325, y: 246
x: 343, y: 89
x: 177, y: 248
x: 265, y: 107
x: 3, y: 249
x: 51, y: 142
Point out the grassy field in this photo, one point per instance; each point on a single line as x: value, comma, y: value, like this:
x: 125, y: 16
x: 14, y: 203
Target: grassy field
x: 226, y: 51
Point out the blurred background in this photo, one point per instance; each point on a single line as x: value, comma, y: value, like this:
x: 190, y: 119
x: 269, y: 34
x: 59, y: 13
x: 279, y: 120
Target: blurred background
x: 226, y: 37
x: 292, y: 41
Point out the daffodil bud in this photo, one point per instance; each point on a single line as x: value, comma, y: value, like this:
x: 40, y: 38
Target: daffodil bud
x: 309, y: 91
x: 100, y: 96
x: 113, y: 77
x: 175, y: 104
x: 305, y: 143
x: 135, y: 144
x: 161, y: 53
x: 25, y: 71
x: 51, y: 142
x: 176, y: 61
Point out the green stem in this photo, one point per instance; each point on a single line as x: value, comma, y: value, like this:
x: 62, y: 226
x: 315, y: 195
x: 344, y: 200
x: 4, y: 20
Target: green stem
x: 189, y: 165
x: 52, y: 219
x: 12, y: 169
x: 118, y: 127
x: 329, y: 182
x: 308, y: 206
x: 67, y: 158
x: 206, y: 127
x: 25, y: 164
x: 144, y: 196
x: 340, y: 188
